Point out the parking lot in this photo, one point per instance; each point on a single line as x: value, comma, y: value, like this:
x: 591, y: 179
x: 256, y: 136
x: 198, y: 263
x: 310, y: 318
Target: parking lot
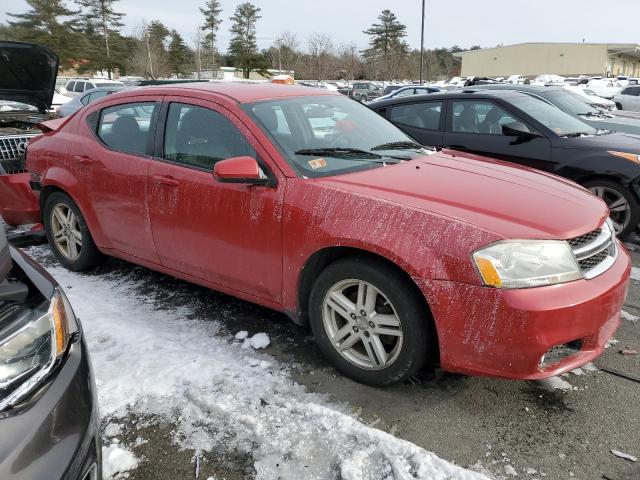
x: 498, y: 427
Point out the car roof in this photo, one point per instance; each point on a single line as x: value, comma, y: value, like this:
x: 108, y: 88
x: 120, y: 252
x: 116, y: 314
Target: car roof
x: 463, y: 93
x: 240, y: 92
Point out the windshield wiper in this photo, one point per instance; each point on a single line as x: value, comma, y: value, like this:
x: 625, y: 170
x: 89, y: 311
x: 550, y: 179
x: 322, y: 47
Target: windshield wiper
x: 398, y: 146
x: 340, y: 152
x: 592, y: 114
x: 576, y: 134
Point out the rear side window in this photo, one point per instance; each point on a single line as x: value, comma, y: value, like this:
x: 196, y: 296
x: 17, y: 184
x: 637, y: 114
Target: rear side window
x: 127, y: 128
x: 79, y: 87
x: 92, y: 97
x: 199, y: 137
x: 420, y: 115
x: 70, y: 86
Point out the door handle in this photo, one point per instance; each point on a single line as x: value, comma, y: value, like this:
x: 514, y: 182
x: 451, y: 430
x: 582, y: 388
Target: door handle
x: 84, y: 159
x: 164, y: 180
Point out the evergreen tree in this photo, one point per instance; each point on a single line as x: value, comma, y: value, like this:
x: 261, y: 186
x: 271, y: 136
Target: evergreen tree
x: 212, y: 21
x: 243, y: 48
x: 50, y: 23
x: 178, y: 55
x: 102, y: 22
x: 386, y: 45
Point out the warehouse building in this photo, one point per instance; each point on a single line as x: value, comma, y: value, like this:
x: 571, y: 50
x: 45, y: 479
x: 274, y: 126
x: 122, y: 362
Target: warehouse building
x: 567, y: 59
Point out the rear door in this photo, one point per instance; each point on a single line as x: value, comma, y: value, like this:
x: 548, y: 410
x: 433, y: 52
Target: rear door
x: 115, y: 167
x: 475, y: 126
x: 423, y: 121
x: 225, y: 233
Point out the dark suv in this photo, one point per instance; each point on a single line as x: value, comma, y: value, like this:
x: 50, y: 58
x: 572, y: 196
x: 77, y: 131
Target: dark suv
x: 525, y: 129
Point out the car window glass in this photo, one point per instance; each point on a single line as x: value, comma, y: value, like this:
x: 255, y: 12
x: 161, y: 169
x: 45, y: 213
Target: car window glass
x: 70, y: 86
x: 79, y: 87
x: 85, y: 99
x: 200, y: 137
x: 406, y: 92
x: 93, y: 96
x: 420, y: 115
x: 126, y: 128
x: 480, y: 117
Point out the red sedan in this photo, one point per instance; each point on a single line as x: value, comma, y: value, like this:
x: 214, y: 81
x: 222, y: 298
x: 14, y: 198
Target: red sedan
x: 309, y: 203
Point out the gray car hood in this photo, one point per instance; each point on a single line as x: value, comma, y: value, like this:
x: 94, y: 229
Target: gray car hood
x: 27, y: 74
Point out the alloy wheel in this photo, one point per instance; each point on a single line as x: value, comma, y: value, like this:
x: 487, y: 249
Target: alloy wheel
x: 619, y: 208
x: 362, y: 325
x: 65, y: 228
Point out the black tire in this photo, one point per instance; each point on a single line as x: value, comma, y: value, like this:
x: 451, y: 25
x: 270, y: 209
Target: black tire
x: 418, y: 342
x: 634, y: 217
x: 89, y: 255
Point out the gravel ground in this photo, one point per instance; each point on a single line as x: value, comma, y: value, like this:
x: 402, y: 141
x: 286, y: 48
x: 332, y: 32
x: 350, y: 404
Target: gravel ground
x: 503, y: 427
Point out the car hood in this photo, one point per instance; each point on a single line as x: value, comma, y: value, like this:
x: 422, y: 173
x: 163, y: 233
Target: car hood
x: 615, y: 123
x: 27, y: 74
x: 623, y: 142
x: 510, y: 201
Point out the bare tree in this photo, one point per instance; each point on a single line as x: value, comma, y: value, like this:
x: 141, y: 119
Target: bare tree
x: 197, y: 41
x: 148, y: 58
x: 288, y: 54
x: 320, y: 52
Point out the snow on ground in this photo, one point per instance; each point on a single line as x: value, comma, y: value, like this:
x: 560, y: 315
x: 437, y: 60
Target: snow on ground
x: 223, y: 397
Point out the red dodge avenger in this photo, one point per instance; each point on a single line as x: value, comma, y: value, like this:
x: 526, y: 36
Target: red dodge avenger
x: 309, y: 203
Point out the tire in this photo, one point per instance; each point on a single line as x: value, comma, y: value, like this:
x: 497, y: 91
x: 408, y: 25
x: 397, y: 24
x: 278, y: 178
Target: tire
x: 407, y: 349
x: 62, y: 222
x: 612, y: 193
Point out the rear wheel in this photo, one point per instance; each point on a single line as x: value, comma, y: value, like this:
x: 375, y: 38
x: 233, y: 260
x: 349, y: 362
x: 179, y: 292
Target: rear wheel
x: 624, y: 210
x: 369, y: 322
x: 68, y: 234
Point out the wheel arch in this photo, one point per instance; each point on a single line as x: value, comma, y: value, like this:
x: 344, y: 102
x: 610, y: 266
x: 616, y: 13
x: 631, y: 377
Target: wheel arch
x: 320, y: 259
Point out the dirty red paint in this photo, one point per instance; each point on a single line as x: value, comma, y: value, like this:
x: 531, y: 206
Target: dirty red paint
x: 427, y: 216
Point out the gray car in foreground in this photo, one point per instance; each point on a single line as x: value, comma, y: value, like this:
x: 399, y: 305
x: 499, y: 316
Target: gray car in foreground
x: 49, y: 424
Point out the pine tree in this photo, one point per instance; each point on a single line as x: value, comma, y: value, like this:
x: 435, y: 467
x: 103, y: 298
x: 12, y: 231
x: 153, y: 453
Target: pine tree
x: 178, y: 54
x: 386, y: 45
x: 243, y: 48
x: 212, y: 21
x: 50, y: 23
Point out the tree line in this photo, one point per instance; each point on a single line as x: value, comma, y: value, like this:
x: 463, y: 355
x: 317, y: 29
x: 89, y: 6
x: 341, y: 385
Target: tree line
x: 88, y: 36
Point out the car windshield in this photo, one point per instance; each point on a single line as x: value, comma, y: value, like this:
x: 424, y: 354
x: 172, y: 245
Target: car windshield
x: 330, y: 135
x: 571, y: 102
x: 561, y: 123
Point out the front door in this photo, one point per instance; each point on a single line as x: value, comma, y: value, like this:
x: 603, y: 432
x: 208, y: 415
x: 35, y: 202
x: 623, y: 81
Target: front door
x: 420, y: 120
x: 228, y: 234
x: 475, y: 126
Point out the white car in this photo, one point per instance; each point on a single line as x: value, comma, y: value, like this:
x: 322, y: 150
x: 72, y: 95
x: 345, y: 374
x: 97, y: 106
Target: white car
x: 516, y: 79
x: 628, y: 98
x: 59, y: 100
x: 548, y: 80
x: 592, y: 98
x: 605, y: 87
x: 76, y: 86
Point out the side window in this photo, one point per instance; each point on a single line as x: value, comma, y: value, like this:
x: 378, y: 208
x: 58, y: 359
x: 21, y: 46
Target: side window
x: 79, y: 87
x: 481, y: 117
x: 406, y: 92
x: 70, y: 86
x: 92, y: 97
x: 421, y: 115
x: 199, y: 137
x: 85, y: 99
x: 127, y: 127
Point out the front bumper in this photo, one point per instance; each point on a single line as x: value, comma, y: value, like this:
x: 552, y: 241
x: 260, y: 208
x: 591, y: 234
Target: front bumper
x: 19, y: 204
x: 506, y: 333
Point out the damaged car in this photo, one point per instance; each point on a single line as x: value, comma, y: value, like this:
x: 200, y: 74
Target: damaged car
x: 27, y: 86
x: 306, y: 202
x: 48, y: 405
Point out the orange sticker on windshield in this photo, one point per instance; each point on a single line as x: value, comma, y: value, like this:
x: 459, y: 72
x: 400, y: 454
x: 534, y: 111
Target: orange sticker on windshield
x: 317, y: 163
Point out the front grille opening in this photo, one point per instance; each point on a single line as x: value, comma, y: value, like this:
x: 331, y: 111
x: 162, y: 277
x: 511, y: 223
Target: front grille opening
x: 585, y: 239
x: 560, y: 352
x: 11, y: 167
x: 592, y: 262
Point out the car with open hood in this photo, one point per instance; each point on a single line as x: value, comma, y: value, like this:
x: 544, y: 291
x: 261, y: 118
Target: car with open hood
x: 27, y: 87
x: 48, y: 405
x: 306, y: 202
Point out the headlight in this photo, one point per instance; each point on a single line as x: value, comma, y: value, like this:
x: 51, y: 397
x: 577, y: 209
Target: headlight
x: 32, y: 342
x: 627, y: 156
x: 527, y: 263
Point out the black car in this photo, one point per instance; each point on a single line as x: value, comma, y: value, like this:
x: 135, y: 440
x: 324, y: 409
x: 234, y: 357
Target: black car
x: 49, y: 424
x: 578, y: 107
x: 525, y: 129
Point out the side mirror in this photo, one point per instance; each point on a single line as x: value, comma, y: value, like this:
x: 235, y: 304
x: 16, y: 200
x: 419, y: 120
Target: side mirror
x: 516, y: 129
x: 239, y: 170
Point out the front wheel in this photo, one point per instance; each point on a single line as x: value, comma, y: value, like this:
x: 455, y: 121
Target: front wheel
x: 369, y: 322
x: 624, y: 210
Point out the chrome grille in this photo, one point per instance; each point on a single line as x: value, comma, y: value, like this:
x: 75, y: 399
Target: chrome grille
x: 595, y: 251
x: 13, y: 146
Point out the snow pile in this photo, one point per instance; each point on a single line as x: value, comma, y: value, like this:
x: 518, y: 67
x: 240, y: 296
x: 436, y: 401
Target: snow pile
x: 116, y: 459
x: 628, y: 316
x: 635, y: 273
x: 223, y: 397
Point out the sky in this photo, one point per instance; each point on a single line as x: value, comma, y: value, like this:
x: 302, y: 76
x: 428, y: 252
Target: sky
x: 459, y: 22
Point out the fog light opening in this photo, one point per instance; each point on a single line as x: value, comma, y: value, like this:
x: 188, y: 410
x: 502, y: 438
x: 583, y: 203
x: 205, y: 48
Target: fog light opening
x: 560, y: 352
